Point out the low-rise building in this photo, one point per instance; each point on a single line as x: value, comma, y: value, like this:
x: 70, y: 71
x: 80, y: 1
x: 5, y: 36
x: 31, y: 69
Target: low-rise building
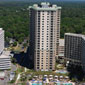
x: 5, y: 62
x: 61, y: 49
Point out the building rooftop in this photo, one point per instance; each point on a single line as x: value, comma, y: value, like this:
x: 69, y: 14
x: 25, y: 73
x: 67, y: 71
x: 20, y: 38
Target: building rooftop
x: 2, y: 74
x: 73, y: 34
x: 61, y: 54
x: 4, y: 56
x: 1, y: 30
x: 7, y: 53
x: 61, y: 42
x: 76, y: 35
x: 45, y: 6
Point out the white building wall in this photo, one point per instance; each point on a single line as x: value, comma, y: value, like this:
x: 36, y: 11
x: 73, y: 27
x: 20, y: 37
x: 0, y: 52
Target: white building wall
x: 5, y: 62
x: 1, y: 40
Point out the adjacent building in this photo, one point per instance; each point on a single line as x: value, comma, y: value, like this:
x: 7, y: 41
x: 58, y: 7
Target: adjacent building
x: 61, y: 49
x: 5, y: 62
x: 1, y: 40
x: 75, y: 49
x: 44, y: 35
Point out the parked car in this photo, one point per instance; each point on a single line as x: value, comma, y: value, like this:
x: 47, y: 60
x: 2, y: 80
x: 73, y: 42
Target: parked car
x: 2, y: 78
x: 12, y: 75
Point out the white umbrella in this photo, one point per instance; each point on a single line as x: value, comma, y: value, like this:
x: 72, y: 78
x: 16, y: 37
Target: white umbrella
x: 61, y: 76
x: 50, y: 75
x: 45, y: 75
x: 56, y: 76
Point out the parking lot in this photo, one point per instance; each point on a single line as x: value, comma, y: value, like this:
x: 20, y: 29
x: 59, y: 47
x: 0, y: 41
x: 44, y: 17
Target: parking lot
x: 4, y: 75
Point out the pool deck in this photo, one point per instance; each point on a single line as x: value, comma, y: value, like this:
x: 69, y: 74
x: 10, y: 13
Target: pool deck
x: 50, y: 83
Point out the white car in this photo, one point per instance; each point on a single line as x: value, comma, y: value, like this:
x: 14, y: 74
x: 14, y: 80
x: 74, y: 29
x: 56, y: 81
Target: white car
x: 12, y: 75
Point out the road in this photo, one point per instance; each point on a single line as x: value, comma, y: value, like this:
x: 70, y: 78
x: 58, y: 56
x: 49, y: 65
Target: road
x: 3, y: 82
x: 6, y: 79
x: 13, y: 68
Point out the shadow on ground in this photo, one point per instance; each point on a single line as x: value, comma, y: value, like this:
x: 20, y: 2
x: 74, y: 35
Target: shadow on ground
x: 76, y: 72
x: 24, y: 60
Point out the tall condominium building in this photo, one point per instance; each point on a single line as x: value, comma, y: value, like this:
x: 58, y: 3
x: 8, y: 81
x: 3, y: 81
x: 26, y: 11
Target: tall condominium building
x: 44, y: 35
x: 1, y: 40
x: 75, y: 49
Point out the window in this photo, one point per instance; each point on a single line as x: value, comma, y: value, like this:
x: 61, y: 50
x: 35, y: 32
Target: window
x: 37, y: 67
x: 50, y: 67
x: 47, y: 13
x: 43, y: 14
x: 42, y: 18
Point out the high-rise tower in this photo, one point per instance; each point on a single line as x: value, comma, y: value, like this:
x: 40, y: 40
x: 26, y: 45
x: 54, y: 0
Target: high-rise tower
x: 1, y: 40
x: 75, y: 49
x: 44, y: 35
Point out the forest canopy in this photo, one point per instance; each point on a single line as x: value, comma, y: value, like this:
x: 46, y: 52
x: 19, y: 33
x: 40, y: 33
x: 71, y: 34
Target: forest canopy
x: 14, y: 18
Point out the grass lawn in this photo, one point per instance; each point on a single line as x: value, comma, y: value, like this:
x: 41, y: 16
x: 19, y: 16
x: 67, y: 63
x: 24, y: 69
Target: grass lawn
x: 44, y: 73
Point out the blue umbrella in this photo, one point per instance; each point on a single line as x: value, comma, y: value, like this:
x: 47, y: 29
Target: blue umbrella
x: 33, y: 80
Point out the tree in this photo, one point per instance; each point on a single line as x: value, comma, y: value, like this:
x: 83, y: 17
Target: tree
x: 23, y: 77
x: 15, y: 44
x: 13, y: 60
x: 74, y: 79
x: 25, y: 44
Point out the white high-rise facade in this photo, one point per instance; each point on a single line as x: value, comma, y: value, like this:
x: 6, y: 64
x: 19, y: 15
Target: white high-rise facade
x: 44, y: 35
x: 1, y: 40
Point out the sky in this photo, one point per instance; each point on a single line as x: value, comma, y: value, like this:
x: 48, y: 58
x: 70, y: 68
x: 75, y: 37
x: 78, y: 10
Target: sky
x: 42, y: 0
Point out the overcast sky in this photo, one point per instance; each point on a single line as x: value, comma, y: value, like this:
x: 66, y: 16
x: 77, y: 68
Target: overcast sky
x: 42, y: 0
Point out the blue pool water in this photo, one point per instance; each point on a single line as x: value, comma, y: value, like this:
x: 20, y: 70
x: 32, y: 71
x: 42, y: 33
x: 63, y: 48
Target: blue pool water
x: 37, y: 84
x: 58, y: 83
x: 67, y: 84
x: 63, y: 72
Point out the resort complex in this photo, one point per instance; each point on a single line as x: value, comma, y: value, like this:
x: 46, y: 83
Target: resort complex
x: 46, y: 53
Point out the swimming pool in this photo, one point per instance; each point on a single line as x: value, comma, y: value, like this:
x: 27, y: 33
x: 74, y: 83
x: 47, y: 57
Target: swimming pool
x: 67, y: 84
x: 59, y: 83
x: 61, y: 71
x: 36, y: 83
